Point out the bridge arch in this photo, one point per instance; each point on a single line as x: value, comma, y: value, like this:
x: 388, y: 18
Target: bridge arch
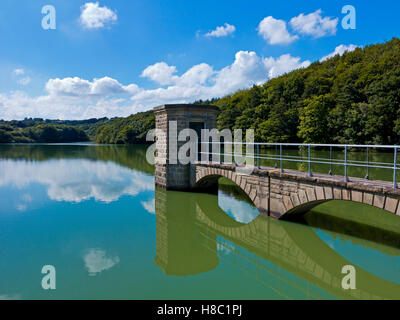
x: 207, y: 179
x: 299, y: 203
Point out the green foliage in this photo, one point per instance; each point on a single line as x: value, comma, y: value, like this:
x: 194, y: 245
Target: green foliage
x: 28, y: 131
x: 354, y: 98
x: 130, y: 130
x: 314, y: 119
x: 5, y: 136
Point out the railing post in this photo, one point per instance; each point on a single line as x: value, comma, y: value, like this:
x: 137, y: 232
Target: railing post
x: 280, y: 157
x: 309, y: 161
x: 394, y: 168
x: 234, y: 153
x: 209, y: 151
x: 220, y: 152
x: 367, y: 176
x: 345, y: 164
x: 197, y: 151
x: 258, y: 156
x: 276, y: 151
x: 330, y: 161
x: 301, y: 157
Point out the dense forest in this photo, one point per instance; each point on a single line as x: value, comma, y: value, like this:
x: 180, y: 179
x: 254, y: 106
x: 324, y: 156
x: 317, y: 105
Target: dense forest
x: 130, y: 130
x: 49, y: 131
x: 39, y: 131
x: 353, y: 98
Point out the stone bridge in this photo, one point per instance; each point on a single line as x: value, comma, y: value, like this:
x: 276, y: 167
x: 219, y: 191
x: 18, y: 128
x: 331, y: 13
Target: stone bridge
x: 282, y: 194
x: 289, y: 194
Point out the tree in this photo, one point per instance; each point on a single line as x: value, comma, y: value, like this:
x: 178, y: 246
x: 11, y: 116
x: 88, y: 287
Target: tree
x: 5, y: 137
x: 314, y: 119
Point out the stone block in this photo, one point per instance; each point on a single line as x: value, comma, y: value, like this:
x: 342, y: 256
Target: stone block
x: 277, y: 206
x: 311, y: 194
x: 253, y: 195
x: 302, y: 196
x: 337, y: 194
x: 391, y: 204
x: 328, y: 193
x: 320, y: 193
x: 288, y: 203
x: 346, y: 194
x: 379, y: 201
x: 398, y: 210
x: 295, y: 200
x: 356, y: 196
x: 368, y: 198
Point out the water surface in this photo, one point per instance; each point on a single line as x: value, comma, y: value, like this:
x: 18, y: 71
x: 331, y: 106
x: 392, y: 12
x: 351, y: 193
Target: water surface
x: 94, y: 214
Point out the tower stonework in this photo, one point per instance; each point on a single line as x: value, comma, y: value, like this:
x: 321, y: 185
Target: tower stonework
x: 176, y: 176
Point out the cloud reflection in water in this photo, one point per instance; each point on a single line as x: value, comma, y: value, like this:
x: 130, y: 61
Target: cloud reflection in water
x: 97, y: 261
x: 75, y: 180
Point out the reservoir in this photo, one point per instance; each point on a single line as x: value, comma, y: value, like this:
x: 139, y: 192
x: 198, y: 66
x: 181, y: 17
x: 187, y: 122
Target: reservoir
x: 94, y: 213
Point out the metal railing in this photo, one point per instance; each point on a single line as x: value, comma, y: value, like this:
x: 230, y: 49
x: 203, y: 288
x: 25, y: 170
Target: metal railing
x: 253, y: 151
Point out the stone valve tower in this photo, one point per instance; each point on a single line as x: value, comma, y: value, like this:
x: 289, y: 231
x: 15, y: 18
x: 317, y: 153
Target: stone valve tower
x: 169, y: 173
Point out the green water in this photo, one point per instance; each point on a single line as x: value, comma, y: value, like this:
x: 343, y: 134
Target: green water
x: 94, y: 214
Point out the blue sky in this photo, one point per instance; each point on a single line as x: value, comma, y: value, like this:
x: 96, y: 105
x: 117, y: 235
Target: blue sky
x: 117, y: 57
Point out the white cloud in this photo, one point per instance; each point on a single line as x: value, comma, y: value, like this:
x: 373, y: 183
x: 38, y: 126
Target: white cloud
x: 75, y: 180
x: 78, y: 87
x: 240, y: 210
x: 221, y: 31
x: 76, y: 98
x: 202, y: 82
x: 94, y: 17
x: 164, y: 74
x: 19, y: 72
x: 274, y: 31
x: 19, y: 76
x: 18, y: 105
x: 97, y: 261
x: 161, y: 73
x: 149, y: 206
x: 24, y: 201
x: 247, y: 69
x: 314, y: 24
x: 339, y: 50
x: 24, y: 81
x: 284, y: 64
x: 198, y: 74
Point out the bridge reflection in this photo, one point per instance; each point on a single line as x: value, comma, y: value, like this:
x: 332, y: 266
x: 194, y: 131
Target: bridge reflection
x: 194, y: 235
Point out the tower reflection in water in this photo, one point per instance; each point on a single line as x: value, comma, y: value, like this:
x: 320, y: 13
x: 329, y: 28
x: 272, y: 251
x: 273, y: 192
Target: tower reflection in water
x: 193, y: 233
x: 182, y: 249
